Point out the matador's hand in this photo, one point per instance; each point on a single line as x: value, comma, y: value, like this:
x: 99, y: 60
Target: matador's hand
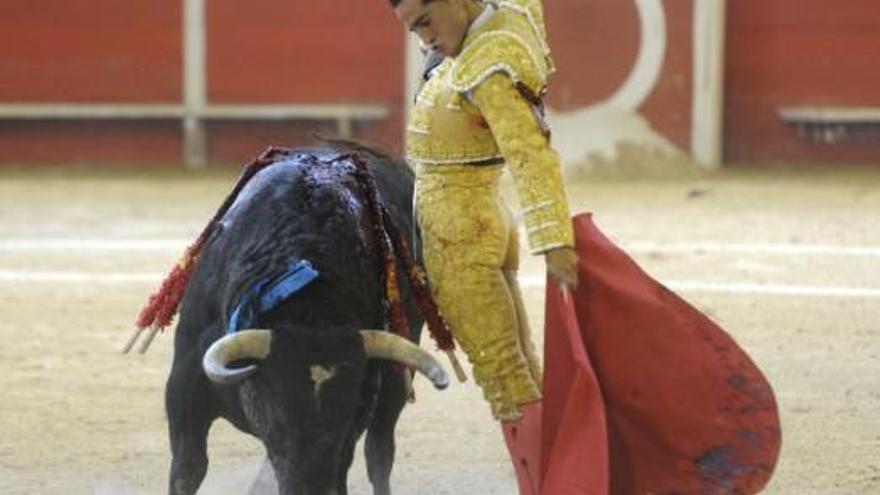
x: 562, y: 264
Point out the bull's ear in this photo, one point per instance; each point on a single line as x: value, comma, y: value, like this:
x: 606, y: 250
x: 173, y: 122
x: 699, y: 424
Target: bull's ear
x: 379, y: 344
x: 244, y: 344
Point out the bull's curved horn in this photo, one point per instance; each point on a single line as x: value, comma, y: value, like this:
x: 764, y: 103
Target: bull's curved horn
x: 386, y: 345
x: 244, y: 344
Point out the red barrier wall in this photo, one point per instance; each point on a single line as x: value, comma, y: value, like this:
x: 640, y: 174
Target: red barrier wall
x: 90, y: 51
x: 799, y: 53
x: 269, y: 51
x: 593, y: 54
x: 90, y: 142
x: 279, y: 51
x: 95, y: 51
x: 779, y: 53
x: 304, y: 52
x: 595, y: 44
x: 669, y: 106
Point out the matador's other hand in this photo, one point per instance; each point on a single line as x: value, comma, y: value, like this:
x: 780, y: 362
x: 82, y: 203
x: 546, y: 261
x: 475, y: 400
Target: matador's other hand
x: 562, y: 264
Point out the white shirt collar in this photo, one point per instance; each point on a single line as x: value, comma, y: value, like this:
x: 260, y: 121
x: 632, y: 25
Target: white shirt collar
x: 485, y: 15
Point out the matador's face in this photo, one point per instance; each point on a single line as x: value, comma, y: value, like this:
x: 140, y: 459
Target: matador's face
x: 440, y: 24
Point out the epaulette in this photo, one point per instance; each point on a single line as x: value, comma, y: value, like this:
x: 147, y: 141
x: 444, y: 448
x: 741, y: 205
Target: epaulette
x: 533, y: 11
x: 509, y: 44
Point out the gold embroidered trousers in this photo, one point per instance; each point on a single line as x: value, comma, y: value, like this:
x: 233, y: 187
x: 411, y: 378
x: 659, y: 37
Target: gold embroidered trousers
x: 471, y: 253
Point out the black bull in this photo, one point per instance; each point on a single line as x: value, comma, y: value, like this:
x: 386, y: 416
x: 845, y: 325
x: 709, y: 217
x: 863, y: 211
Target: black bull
x: 305, y: 386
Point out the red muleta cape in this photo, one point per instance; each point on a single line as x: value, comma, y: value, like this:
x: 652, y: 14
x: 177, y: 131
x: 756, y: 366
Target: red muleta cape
x: 643, y: 394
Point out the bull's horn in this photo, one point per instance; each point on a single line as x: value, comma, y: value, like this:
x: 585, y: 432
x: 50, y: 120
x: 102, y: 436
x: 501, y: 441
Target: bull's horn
x: 386, y: 345
x: 244, y: 344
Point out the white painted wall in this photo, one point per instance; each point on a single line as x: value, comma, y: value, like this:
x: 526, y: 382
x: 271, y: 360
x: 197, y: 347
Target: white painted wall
x: 415, y: 60
x: 598, y: 133
x: 708, y: 106
x: 194, y: 83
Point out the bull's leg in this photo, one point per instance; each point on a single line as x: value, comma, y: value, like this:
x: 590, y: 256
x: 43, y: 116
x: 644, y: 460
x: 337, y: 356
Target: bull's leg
x: 189, y: 462
x: 345, y: 464
x: 362, y: 419
x: 189, y: 419
x: 379, y: 446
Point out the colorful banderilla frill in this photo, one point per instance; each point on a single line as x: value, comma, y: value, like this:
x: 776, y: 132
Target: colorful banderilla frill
x: 161, y: 307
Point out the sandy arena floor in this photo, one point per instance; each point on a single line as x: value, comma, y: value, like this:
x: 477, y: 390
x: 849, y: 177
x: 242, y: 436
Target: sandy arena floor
x: 788, y: 262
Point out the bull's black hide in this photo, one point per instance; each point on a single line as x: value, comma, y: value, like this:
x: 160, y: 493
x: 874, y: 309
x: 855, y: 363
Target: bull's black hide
x: 306, y: 206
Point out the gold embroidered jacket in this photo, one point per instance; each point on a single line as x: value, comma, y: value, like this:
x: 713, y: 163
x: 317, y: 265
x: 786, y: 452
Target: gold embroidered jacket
x: 485, y: 104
